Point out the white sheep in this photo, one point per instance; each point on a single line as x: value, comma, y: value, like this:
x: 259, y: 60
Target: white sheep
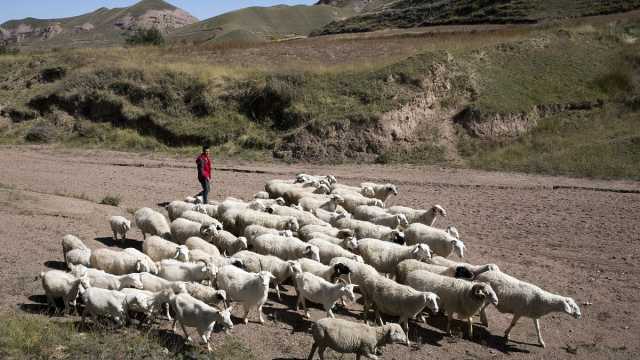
x: 249, y: 289
x: 229, y: 243
x: 173, y: 270
x: 441, y: 242
x: 381, y: 191
x: 314, y: 288
x: 359, y: 274
x: 474, y: 269
x: 280, y: 269
x: 195, y: 313
x: 353, y: 200
x: 99, y: 301
x: 328, y: 250
x: 148, y: 263
x: 308, y: 232
x: 427, y: 217
x: 158, y: 249
x: 394, y: 221
x: 195, y: 242
x: 59, y: 284
x: 384, y: 256
x: 252, y: 217
x: 457, y: 296
x: 407, y: 266
x: 395, y: 299
x: 176, y: 208
x: 119, y: 226
x: 140, y: 301
x: 201, y: 218
x: 286, y: 248
x: 103, y: 280
x: 303, y: 178
x: 182, y: 229
x: 349, y: 337
x: 253, y: 231
x: 365, y: 229
x: 521, y: 298
x: 303, y: 217
x: 152, y: 222
x: 78, y: 257
x: 368, y: 213
x: 309, y: 203
x: 117, y: 262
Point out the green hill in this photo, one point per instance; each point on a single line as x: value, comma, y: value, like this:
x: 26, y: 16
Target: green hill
x: 418, y: 13
x: 102, y: 27
x: 261, y: 23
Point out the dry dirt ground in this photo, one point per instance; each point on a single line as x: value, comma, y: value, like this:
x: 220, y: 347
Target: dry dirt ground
x: 571, y: 236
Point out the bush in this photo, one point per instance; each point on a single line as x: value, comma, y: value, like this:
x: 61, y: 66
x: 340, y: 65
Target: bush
x: 6, y: 50
x: 44, y: 133
x: 112, y: 200
x: 150, y: 36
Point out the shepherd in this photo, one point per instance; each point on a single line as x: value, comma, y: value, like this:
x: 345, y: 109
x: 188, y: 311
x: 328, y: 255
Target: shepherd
x: 204, y: 173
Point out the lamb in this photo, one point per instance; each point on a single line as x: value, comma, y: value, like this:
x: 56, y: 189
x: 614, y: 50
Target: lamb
x: 381, y: 191
x: 195, y: 242
x: 521, y: 298
x: 365, y: 229
x: 385, y: 256
x: 176, y: 208
x: 407, y: 266
x: 250, y: 289
x: 397, y: 221
x: 253, y: 231
x: 158, y: 249
x: 252, y: 217
x: 229, y: 243
x: 457, y: 296
x: 474, y: 269
x: 99, y: 301
x: 78, y: 257
x: 368, y: 213
x: 195, y: 313
x: 307, y: 232
x: 207, y: 294
x: 280, y: 269
x: 59, y: 284
x: 399, y: 300
x: 349, y: 337
x: 329, y: 250
x: 286, y: 248
x: 152, y: 222
x: 147, y: 262
x: 173, y: 270
x: 329, y: 273
x: 201, y: 218
x: 440, y: 241
x: 314, y: 288
x: 311, y: 203
x: 182, y: 229
x: 427, y: 217
x: 117, y: 262
x: 103, y: 280
x: 119, y: 226
x: 303, y: 217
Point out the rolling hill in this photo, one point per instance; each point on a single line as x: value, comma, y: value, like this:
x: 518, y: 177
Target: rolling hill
x: 378, y: 15
x: 102, y: 27
x: 255, y: 24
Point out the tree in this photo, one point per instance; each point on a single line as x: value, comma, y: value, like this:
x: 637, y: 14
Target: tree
x: 151, y: 36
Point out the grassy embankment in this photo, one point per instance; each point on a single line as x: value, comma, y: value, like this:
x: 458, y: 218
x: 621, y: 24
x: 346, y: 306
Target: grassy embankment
x: 172, y: 99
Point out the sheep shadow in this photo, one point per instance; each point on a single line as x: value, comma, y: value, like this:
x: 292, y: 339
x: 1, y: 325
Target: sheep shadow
x: 128, y: 243
x: 173, y: 342
x: 56, y: 265
x: 38, y: 309
x: 290, y: 316
x: 163, y: 204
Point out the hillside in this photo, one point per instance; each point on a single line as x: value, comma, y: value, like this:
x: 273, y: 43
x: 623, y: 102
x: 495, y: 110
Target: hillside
x: 255, y: 24
x: 102, y: 27
x: 420, y: 13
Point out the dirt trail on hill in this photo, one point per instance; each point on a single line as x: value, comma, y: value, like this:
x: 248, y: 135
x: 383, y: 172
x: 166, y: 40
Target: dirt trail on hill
x: 576, y: 237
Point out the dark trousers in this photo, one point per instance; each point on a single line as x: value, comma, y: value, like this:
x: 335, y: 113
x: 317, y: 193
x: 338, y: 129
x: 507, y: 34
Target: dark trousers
x: 206, y: 187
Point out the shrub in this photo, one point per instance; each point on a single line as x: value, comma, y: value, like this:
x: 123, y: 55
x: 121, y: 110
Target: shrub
x: 43, y: 133
x: 151, y: 36
x: 6, y: 50
x: 112, y: 200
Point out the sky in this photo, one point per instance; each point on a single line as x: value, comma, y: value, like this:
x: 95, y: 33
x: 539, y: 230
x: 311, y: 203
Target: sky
x: 49, y: 9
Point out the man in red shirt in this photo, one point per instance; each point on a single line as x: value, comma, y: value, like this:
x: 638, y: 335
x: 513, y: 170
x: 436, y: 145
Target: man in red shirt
x: 204, y: 173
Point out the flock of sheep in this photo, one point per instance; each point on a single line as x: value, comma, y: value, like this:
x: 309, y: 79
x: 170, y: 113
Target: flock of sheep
x: 328, y: 239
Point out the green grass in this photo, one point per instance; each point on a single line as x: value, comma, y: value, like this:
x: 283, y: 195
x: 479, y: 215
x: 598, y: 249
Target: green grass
x: 112, y: 200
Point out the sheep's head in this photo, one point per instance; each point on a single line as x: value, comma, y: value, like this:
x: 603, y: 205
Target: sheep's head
x: 210, y: 269
x: 294, y: 267
x: 241, y: 244
x: 431, y: 301
x: 367, y: 191
x: 280, y: 201
x: 297, y: 207
x: 285, y: 233
x: 209, y: 231
x: 394, y: 334
x: 266, y: 277
x: 258, y: 206
x: 132, y: 280
x: 337, y: 199
x: 301, y: 178
x: 376, y: 202
x: 127, y: 225
x: 571, y: 308
x: 484, y: 292
x: 391, y: 189
x: 398, y: 237
x: 226, y: 318
x: 402, y: 220
x: 331, y: 179
x: 347, y: 291
x: 453, y: 231
x: 312, y: 252
x: 340, y: 269
x: 459, y: 247
x: 200, y: 208
x: 292, y: 224
x: 182, y: 253
x: 84, y: 284
x: 421, y: 251
x: 141, y: 266
x: 358, y: 258
x: 492, y: 267
x: 322, y: 189
x: 351, y: 243
x: 439, y: 210
x: 77, y: 270
x: 463, y: 273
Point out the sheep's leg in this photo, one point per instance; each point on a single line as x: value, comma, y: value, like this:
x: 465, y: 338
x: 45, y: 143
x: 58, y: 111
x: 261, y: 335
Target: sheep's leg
x: 378, y: 317
x: 513, y: 323
x: 449, y: 318
x: 314, y: 347
x: 51, y: 302
x: 321, y: 352
x: 115, y: 236
x: 246, y: 313
x: 174, y: 328
x: 483, y: 316
x: 371, y: 356
x: 329, y: 312
x: 184, y: 331
x: 536, y: 323
x: 298, y: 302
x: 470, y: 320
x: 405, y: 327
x: 260, y: 314
x: 304, y: 306
x: 278, y: 291
x: 166, y: 306
x: 84, y: 314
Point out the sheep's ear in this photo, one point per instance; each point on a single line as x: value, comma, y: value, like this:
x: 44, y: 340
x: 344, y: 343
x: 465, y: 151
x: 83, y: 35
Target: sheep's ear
x: 138, y: 265
x: 415, y: 250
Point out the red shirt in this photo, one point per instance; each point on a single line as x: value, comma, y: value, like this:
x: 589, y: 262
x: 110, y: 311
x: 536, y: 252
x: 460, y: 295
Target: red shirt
x: 204, y: 166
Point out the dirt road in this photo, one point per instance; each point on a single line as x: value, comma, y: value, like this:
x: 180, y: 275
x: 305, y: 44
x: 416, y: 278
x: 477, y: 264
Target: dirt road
x: 572, y: 236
